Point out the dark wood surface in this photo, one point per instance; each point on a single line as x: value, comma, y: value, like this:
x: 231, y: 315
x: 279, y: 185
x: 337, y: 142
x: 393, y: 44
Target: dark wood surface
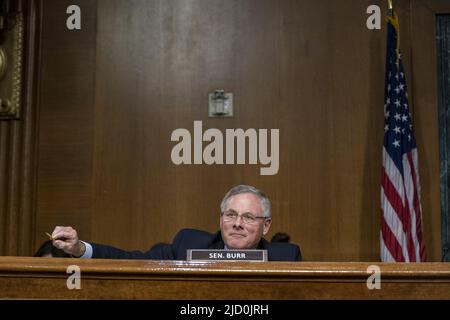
x: 37, y: 278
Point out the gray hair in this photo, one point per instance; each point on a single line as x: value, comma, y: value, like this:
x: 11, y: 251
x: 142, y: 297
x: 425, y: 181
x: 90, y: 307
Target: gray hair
x: 265, y: 203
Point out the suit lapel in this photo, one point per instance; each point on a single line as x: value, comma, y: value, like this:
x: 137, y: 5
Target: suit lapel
x: 217, y: 242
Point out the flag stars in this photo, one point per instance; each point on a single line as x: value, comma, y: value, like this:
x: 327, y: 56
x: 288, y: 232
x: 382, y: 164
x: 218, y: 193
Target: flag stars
x: 386, y: 128
x: 386, y: 114
x: 404, y: 118
x: 401, y: 87
x: 396, y: 143
x: 397, y: 130
x: 397, y: 103
x: 397, y: 90
x: 397, y: 117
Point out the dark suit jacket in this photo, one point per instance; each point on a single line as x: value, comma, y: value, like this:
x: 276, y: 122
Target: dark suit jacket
x: 194, y: 239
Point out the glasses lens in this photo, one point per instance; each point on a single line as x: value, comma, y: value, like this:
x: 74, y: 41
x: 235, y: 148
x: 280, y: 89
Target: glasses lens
x: 248, y: 218
x: 229, y: 216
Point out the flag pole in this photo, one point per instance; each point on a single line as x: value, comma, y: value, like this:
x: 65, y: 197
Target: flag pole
x: 391, y: 8
x: 392, y: 17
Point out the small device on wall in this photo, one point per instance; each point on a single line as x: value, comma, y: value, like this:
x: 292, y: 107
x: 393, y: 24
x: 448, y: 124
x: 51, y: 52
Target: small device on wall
x: 220, y: 104
x: 11, y: 59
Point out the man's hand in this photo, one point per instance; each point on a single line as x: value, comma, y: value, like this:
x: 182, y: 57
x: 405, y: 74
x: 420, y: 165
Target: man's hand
x: 66, y: 239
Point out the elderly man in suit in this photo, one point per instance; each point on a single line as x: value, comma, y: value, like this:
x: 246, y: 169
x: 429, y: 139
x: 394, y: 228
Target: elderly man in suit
x: 245, y: 218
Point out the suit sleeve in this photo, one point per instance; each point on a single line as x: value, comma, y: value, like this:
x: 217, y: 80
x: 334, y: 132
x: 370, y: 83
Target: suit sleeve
x: 279, y: 251
x: 158, y: 252
x: 297, y: 254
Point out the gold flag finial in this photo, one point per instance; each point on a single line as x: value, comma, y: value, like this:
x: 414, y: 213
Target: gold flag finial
x: 391, y: 8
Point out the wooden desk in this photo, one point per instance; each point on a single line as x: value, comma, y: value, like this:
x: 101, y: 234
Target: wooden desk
x: 37, y: 278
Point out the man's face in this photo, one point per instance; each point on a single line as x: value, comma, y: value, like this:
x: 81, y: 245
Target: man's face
x: 236, y: 233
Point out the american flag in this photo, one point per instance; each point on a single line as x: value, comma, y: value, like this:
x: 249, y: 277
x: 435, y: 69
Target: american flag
x: 401, y: 218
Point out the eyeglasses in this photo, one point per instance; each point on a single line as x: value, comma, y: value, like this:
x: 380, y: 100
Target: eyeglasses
x: 247, y: 218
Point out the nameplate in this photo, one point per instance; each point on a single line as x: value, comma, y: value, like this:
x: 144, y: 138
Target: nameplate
x: 226, y: 255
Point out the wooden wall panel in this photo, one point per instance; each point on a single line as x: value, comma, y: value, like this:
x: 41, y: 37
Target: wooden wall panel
x: 65, y: 141
x: 112, y: 93
x: 425, y: 90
